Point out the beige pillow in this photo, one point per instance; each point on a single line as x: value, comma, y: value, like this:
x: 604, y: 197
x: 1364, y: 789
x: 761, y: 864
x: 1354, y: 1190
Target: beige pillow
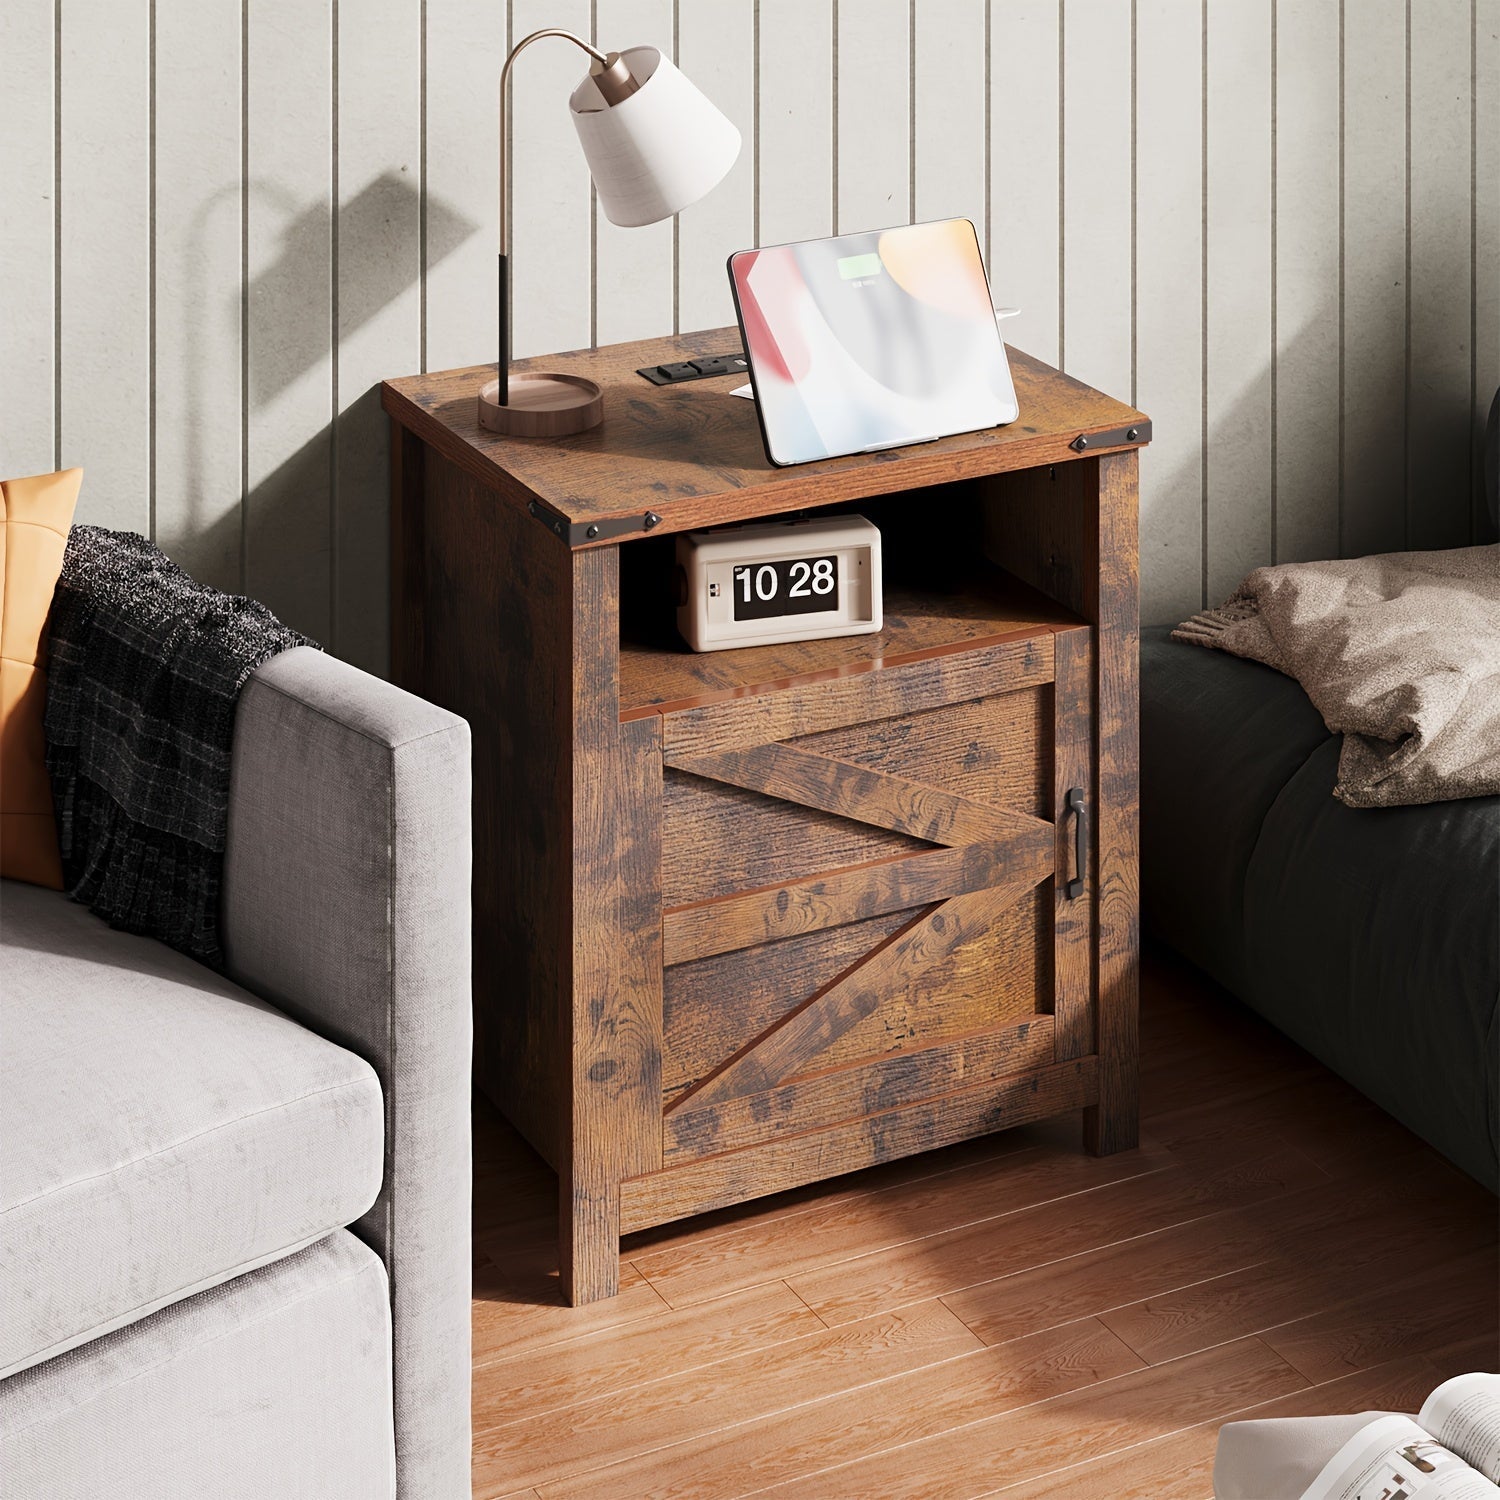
x: 35, y: 517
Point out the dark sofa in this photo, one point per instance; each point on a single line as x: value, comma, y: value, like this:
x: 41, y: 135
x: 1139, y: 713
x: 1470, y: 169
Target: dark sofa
x: 1370, y: 937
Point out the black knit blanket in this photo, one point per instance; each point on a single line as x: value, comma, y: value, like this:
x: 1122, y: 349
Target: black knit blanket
x: 144, y: 671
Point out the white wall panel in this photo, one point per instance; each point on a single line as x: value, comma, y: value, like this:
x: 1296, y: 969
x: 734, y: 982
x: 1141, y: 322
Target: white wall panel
x: 460, y: 181
x: 27, y: 233
x: 289, y: 114
x: 551, y: 243
x: 321, y: 214
x: 950, y: 145
x: 633, y: 267
x: 1096, y: 331
x: 104, y: 280
x: 1486, y: 341
x: 1169, y: 305
x: 1238, y: 457
x: 1438, y: 409
x: 378, y: 270
x: 716, y: 49
x: 1025, y: 204
x: 1373, y: 515
x: 199, y: 306
x: 1306, y: 515
x: 796, y: 120
x: 874, y: 114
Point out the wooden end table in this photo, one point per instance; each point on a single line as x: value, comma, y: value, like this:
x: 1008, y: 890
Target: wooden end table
x: 749, y: 919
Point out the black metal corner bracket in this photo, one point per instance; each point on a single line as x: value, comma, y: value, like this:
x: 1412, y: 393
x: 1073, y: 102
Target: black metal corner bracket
x: 1118, y: 437
x: 581, y: 533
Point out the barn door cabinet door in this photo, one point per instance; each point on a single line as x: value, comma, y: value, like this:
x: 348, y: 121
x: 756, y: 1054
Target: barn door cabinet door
x: 935, y: 937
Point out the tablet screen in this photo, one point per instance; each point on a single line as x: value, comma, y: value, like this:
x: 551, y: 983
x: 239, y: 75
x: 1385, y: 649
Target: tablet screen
x: 871, y: 340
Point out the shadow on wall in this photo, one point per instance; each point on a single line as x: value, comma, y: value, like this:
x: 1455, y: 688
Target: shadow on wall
x: 314, y: 527
x: 295, y: 284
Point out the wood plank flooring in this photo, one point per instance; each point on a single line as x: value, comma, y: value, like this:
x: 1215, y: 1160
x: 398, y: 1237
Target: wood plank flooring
x: 1007, y: 1316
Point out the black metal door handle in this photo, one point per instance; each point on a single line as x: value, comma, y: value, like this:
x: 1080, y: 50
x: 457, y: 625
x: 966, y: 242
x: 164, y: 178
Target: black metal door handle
x: 1074, y: 804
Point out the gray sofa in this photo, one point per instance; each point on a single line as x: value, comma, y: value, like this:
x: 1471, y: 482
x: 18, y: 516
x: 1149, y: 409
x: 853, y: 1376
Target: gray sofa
x: 234, y: 1209
x: 1370, y: 936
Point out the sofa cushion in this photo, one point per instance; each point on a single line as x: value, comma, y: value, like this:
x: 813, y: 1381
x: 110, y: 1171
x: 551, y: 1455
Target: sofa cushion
x: 276, y: 1384
x: 35, y: 515
x: 163, y: 1129
x: 1220, y: 738
x: 1374, y: 942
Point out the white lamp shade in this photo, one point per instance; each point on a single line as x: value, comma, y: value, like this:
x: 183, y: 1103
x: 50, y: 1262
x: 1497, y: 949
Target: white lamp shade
x: 656, y: 151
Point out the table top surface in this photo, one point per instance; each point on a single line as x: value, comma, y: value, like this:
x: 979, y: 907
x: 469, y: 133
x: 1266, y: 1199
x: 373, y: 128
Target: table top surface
x: 690, y: 455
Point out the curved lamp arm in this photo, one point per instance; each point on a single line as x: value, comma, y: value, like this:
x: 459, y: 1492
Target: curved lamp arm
x: 613, y: 78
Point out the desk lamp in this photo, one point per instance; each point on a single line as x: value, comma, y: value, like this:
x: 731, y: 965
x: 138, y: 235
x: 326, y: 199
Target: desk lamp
x: 654, y: 145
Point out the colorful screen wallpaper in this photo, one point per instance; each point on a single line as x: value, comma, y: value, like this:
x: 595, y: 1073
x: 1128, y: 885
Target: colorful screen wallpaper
x: 871, y: 340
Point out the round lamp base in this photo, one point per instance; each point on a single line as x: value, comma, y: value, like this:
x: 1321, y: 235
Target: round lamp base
x: 542, y: 406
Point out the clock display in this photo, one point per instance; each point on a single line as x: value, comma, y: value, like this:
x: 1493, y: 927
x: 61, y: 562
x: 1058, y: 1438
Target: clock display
x: 787, y: 586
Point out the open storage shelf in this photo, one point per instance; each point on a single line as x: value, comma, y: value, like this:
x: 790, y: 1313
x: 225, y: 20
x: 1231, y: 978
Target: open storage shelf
x: 938, y: 597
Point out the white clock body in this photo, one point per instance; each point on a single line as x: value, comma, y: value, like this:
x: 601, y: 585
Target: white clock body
x: 758, y: 584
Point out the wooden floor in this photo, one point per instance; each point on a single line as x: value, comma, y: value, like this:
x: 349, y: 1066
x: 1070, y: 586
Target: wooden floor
x: 1010, y: 1315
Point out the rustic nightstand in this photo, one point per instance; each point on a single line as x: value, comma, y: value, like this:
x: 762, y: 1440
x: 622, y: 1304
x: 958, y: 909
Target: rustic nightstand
x: 749, y: 919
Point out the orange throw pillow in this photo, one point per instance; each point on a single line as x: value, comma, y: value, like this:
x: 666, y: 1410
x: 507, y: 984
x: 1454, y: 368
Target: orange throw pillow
x: 35, y: 516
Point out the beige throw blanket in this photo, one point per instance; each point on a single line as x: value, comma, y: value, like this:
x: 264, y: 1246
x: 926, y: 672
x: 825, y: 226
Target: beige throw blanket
x: 1399, y: 653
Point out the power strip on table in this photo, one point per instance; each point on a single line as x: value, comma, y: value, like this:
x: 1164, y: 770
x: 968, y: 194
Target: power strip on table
x: 704, y: 368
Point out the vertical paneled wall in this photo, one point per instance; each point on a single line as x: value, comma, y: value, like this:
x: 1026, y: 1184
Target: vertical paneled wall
x: 1273, y: 224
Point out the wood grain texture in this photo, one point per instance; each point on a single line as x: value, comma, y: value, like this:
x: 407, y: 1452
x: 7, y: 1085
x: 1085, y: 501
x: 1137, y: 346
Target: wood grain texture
x: 1073, y: 916
x: 723, y: 924
x: 515, y: 702
x: 1116, y: 610
x: 930, y: 813
x: 1343, y: 1237
x: 996, y: 750
x: 713, y: 1006
x: 942, y: 1263
x: 781, y: 1164
x: 985, y: 1455
x: 614, y: 1075
x: 894, y: 1398
x: 1180, y: 1465
x: 657, y: 674
x: 408, y: 560
x: 828, y: 1429
x: 796, y: 1042
x: 827, y: 1096
x: 562, y: 1451
x: 718, y: 838
x: 980, y: 669
x: 708, y: 445
x: 875, y: 1210
x: 1072, y: 532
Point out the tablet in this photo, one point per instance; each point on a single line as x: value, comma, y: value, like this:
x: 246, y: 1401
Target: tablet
x: 869, y: 341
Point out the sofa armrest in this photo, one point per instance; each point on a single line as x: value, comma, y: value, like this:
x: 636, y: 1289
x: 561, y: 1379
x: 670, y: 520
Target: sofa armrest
x: 346, y: 903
